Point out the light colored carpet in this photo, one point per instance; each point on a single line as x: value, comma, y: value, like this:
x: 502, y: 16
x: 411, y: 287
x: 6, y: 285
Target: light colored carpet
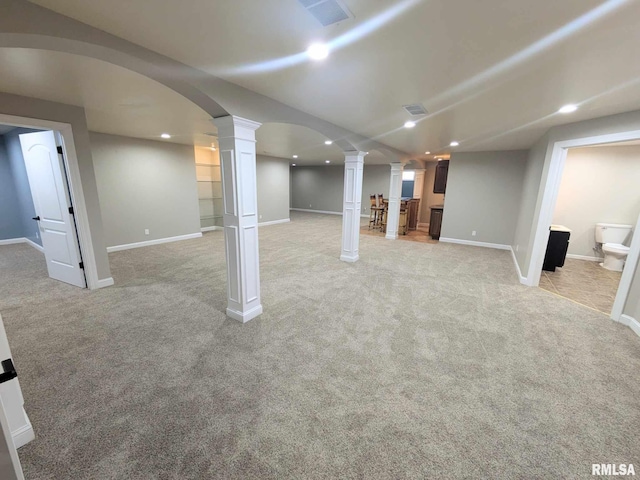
x: 419, y: 361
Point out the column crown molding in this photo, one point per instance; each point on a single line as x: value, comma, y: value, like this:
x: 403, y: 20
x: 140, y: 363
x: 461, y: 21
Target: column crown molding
x: 231, y: 126
x: 232, y: 120
x: 354, y: 157
x: 396, y: 166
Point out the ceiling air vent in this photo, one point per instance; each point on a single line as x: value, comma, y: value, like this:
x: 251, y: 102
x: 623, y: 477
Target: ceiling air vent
x: 327, y: 12
x: 415, y: 109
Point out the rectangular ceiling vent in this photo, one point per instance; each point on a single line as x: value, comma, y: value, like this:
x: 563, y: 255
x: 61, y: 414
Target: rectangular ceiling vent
x: 327, y: 12
x: 415, y: 109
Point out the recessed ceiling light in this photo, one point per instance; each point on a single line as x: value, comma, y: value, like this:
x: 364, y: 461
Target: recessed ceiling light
x: 293, y: 164
x: 409, y: 124
x: 328, y: 142
x: 327, y: 161
x: 427, y: 153
x: 165, y: 135
x: 318, y: 51
x: 295, y: 156
x: 454, y: 144
x: 568, y: 109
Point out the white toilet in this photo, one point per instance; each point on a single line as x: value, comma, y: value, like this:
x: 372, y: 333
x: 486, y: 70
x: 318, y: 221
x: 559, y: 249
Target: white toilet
x: 611, y: 236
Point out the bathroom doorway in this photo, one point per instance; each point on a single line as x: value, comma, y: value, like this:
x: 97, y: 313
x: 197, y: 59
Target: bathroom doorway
x: 593, y: 224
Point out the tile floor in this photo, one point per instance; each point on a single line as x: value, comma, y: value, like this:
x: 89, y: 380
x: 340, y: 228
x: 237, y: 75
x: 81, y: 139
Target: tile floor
x: 421, y: 234
x: 584, y: 282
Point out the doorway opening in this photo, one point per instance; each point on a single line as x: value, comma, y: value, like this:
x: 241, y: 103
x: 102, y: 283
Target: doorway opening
x: 46, y: 207
x: 593, y: 220
x: 619, y: 254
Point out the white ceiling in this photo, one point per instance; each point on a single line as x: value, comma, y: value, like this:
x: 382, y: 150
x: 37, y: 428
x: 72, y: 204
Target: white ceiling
x: 492, y: 73
x: 120, y: 102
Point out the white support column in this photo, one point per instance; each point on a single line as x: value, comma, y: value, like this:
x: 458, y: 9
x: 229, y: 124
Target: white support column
x: 352, y: 203
x: 237, y: 138
x: 393, y: 210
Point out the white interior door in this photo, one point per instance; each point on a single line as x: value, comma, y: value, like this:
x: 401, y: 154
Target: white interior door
x: 48, y: 182
x: 11, y: 411
x: 10, y: 468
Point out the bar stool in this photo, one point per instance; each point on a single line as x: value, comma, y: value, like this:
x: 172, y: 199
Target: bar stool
x: 375, y: 211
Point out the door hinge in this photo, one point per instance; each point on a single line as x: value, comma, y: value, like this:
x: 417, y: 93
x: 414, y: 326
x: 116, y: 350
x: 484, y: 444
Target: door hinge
x: 59, y: 150
x: 82, y: 265
x: 71, y: 210
x: 8, y: 371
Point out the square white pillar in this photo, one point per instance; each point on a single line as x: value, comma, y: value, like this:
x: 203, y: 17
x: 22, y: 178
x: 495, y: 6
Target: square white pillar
x: 352, y: 204
x: 237, y: 139
x: 393, y: 209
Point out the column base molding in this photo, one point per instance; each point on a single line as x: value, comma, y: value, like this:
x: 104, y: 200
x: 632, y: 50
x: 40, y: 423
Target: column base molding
x: 349, y: 259
x: 244, y: 317
x: 391, y: 236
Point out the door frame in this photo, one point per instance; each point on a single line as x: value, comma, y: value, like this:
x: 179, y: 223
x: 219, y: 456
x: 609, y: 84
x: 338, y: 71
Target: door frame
x: 74, y: 181
x: 547, y: 208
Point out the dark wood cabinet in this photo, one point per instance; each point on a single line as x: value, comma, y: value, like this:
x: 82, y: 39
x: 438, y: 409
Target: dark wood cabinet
x: 412, y: 220
x: 440, y: 181
x: 435, y: 222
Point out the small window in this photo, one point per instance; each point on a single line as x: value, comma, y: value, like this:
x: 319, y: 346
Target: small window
x: 409, y: 175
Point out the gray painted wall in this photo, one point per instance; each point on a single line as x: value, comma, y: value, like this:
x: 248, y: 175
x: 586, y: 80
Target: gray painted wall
x: 10, y: 219
x: 483, y: 194
x: 273, y: 188
x: 428, y: 197
x: 58, y: 112
x: 145, y: 184
x: 24, y: 200
x: 321, y: 187
x: 599, y: 184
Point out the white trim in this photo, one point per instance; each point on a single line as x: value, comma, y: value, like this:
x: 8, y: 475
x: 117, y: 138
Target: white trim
x: 630, y: 266
x: 545, y: 217
x: 211, y: 229
x: 14, y: 241
x: 148, y: 243
x: 584, y: 257
x: 630, y: 322
x: 316, y: 211
x: 472, y: 243
x: 75, y: 188
x: 105, y: 282
x: 274, y: 222
x: 523, y: 280
x: 420, y: 224
x: 246, y: 316
x: 34, y: 244
x: 24, y: 434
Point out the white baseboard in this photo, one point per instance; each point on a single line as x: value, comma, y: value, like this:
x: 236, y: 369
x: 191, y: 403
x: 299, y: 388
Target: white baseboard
x: 274, y: 222
x: 34, y: 245
x: 13, y: 241
x: 148, y: 243
x: 585, y: 257
x: 105, y: 282
x: 211, y: 229
x: 472, y: 243
x: 420, y: 224
x: 24, y: 434
x: 630, y: 322
x: 523, y: 280
x: 315, y: 211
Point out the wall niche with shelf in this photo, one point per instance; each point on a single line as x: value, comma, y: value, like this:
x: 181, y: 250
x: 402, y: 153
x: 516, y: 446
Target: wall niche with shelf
x: 209, y: 180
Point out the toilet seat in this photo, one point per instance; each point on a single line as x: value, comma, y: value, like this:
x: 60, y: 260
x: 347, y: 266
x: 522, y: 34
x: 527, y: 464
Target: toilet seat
x: 615, y: 248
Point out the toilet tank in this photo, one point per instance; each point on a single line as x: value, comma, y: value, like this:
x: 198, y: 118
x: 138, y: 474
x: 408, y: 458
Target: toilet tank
x: 612, y: 232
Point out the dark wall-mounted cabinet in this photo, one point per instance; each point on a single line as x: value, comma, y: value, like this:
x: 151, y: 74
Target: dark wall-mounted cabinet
x: 440, y: 182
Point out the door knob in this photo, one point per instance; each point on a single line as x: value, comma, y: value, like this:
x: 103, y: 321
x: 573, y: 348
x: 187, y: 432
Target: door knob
x: 36, y: 218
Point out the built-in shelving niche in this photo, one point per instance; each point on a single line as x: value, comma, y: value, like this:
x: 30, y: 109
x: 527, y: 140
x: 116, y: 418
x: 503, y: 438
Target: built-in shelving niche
x: 209, y: 181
